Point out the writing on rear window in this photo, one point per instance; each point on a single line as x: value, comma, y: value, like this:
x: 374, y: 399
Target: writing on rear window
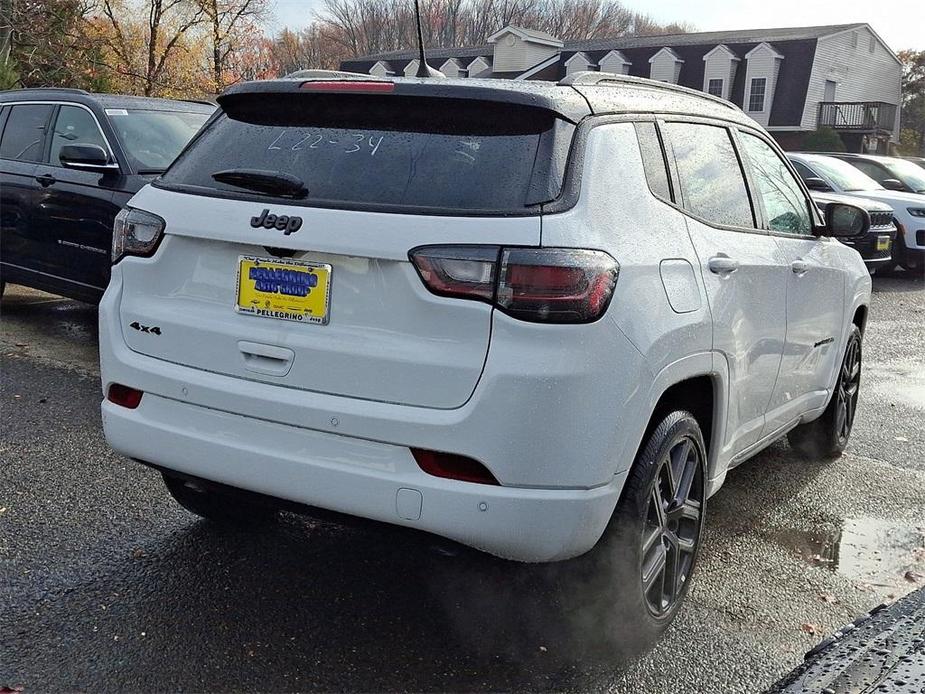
x: 295, y: 141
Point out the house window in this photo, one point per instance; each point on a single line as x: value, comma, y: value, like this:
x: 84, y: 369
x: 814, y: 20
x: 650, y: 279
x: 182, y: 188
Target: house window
x: 873, y: 44
x: 715, y: 87
x: 756, y: 94
x: 854, y: 39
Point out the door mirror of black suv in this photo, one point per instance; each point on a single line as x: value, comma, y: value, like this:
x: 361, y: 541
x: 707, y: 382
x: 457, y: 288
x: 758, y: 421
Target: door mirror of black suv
x: 814, y: 183
x: 86, y: 158
x: 892, y: 184
x: 843, y: 220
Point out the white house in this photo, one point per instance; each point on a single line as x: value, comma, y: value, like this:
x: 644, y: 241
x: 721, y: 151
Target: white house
x: 791, y: 80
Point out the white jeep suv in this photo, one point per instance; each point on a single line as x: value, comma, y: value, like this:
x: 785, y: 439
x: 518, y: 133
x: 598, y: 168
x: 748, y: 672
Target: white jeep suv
x: 542, y: 320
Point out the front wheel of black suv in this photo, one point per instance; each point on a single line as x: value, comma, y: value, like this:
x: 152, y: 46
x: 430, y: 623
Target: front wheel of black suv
x: 216, y: 505
x: 825, y: 438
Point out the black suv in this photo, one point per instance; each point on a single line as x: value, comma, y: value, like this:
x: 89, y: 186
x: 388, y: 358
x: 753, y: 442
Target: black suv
x: 69, y: 161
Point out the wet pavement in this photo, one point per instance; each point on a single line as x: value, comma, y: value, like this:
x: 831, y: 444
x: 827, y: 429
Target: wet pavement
x: 106, y: 584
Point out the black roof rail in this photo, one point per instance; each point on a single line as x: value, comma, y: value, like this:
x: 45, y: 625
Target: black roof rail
x: 577, y: 79
x: 68, y: 90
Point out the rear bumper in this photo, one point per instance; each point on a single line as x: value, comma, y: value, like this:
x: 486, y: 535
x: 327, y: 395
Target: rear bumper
x: 361, y: 478
x: 556, y: 419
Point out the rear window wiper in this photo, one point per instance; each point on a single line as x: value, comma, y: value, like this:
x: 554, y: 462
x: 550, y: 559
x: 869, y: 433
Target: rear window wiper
x: 262, y: 181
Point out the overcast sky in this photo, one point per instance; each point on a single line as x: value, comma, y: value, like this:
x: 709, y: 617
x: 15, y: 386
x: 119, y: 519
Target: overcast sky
x: 901, y: 23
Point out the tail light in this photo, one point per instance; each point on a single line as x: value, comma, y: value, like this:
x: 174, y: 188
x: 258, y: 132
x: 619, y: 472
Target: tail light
x: 452, y: 467
x: 362, y: 86
x: 124, y: 396
x: 541, y: 285
x: 135, y: 232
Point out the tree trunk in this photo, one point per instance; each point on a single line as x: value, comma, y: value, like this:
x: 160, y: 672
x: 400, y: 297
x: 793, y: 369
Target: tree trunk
x: 216, y: 47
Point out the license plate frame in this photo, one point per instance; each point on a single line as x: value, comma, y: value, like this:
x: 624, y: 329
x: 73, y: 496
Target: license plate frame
x: 279, y: 304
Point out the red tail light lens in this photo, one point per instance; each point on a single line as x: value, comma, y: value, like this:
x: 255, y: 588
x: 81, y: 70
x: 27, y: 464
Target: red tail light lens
x: 543, y: 285
x: 452, y: 467
x: 362, y: 86
x: 124, y: 396
x: 556, y: 285
x: 460, y: 271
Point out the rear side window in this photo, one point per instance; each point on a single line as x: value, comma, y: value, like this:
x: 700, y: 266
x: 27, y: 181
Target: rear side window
x: 653, y: 160
x: 712, y: 183
x: 24, y: 133
x: 873, y: 170
x: 385, y: 152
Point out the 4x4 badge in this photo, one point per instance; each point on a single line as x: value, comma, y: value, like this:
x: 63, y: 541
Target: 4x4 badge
x: 285, y: 223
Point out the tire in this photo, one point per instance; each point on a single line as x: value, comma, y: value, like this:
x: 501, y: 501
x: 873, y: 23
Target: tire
x: 212, y: 503
x: 825, y: 438
x: 643, y: 564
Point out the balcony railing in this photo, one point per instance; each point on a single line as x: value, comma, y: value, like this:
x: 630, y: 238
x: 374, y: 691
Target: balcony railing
x: 870, y: 116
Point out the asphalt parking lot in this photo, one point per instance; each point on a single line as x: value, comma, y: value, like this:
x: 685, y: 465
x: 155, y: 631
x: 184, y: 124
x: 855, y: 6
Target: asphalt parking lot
x: 106, y: 584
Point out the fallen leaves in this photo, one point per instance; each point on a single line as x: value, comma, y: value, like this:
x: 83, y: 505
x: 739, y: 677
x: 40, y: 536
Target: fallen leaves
x: 828, y: 598
x: 810, y: 628
x: 913, y: 576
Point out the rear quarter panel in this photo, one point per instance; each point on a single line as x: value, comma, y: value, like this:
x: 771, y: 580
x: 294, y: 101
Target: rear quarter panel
x: 659, y: 302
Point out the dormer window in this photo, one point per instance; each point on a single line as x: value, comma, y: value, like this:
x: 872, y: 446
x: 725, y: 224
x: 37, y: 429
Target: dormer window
x: 381, y: 69
x: 453, y: 68
x: 579, y: 62
x: 480, y: 67
x: 719, y: 71
x: 762, y: 69
x: 615, y: 62
x: 665, y: 66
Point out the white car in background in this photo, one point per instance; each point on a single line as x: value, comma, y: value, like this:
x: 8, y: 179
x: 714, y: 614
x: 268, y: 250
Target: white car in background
x: 827, y: 174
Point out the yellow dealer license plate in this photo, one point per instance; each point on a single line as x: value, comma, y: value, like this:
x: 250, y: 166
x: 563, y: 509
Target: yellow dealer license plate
x: 284, y: 289
x: 883, y: 243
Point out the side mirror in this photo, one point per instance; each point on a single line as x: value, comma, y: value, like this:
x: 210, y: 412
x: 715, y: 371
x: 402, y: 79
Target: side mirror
x: 843, y: 220
x: 892, y: 184
x: 814, y: 183
x: 87, y: 158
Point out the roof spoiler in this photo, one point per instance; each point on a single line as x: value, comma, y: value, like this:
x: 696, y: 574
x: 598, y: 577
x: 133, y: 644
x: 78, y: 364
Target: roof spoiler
x: 567, y: 104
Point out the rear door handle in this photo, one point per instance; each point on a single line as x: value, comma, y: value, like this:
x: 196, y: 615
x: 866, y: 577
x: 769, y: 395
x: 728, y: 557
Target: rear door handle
x: 722, y: 264
x: 799, y: 266
x: 46, y: 180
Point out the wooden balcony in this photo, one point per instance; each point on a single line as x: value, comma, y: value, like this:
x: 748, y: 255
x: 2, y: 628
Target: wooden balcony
x: 858, y: 116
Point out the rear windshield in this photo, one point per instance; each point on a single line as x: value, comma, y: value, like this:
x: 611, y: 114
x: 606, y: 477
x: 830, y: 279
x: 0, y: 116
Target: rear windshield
x: 393, y: 153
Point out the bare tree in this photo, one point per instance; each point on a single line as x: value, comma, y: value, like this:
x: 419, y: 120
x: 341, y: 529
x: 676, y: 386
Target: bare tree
x: 167, y: 22
x: 226, y: 19
x: 362, y: 27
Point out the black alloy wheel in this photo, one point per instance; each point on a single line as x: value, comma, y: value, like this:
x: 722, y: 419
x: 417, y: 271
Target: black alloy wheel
x: 672, y: 527
x: 846, y: 394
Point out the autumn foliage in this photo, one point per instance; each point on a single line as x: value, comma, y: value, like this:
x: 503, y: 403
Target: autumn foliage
x: 193, y: 48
